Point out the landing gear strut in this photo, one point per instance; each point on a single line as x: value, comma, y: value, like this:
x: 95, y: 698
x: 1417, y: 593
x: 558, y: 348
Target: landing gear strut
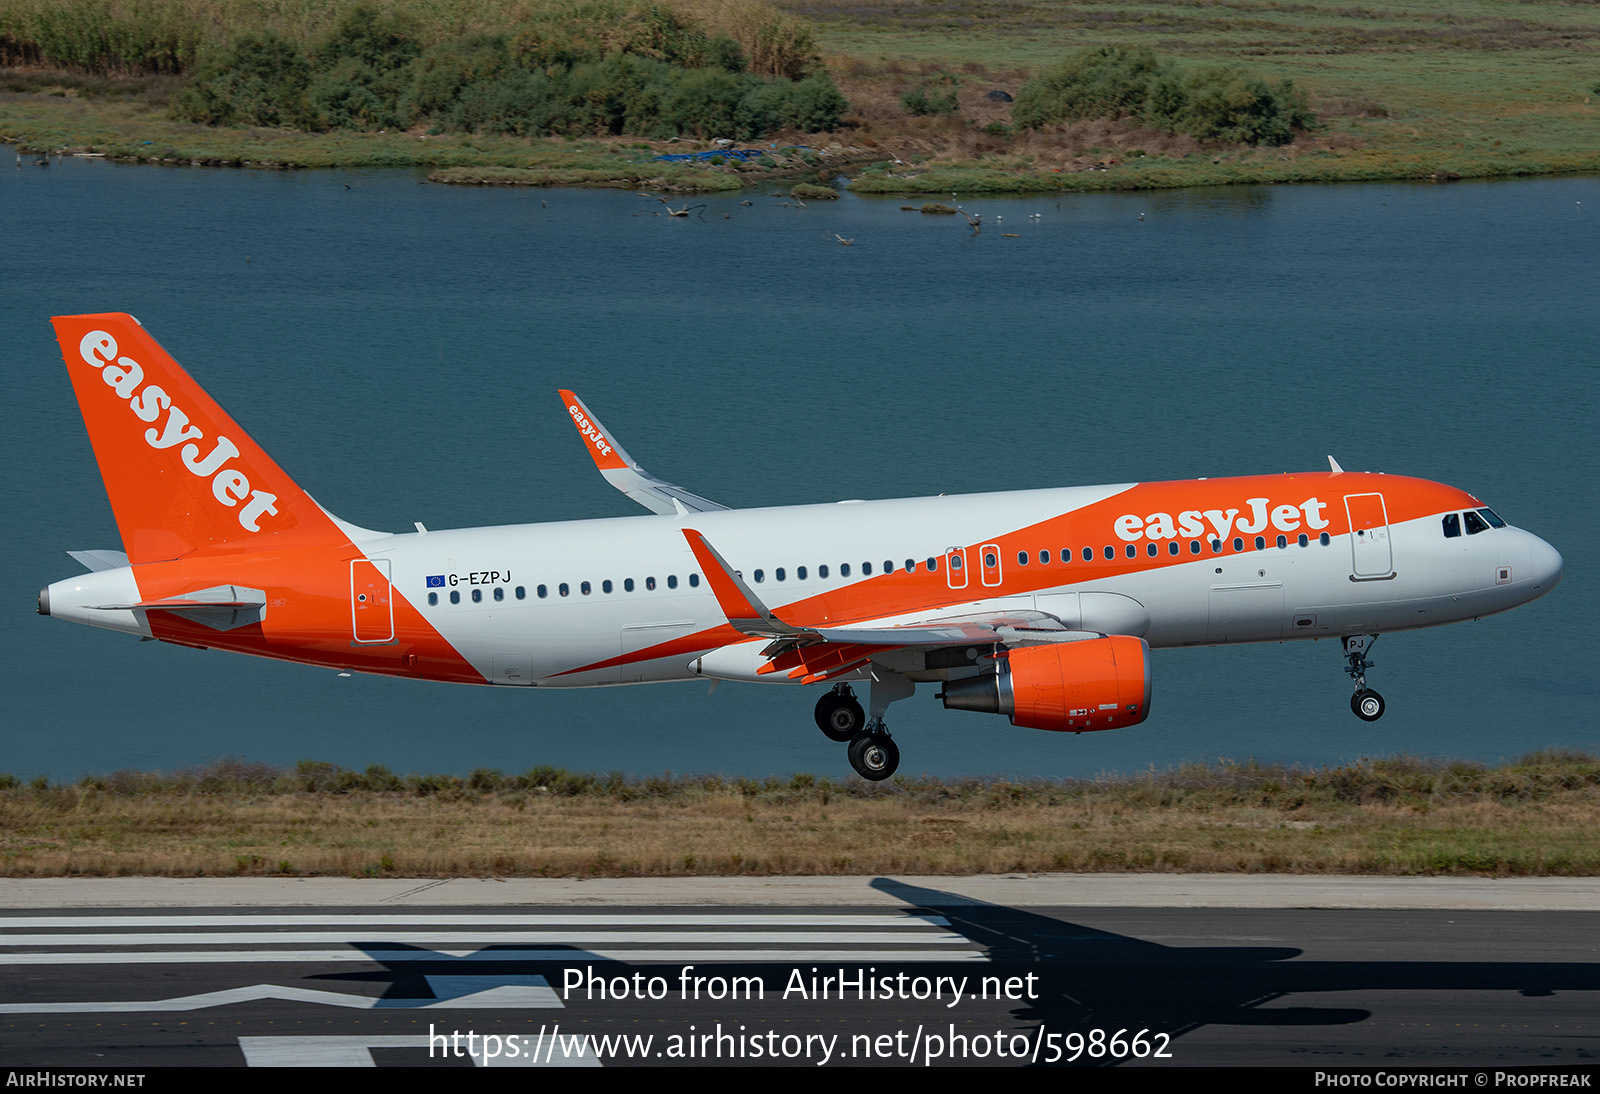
x: 839, y: 716
x: 1367, y: 704
x: 872, y: 752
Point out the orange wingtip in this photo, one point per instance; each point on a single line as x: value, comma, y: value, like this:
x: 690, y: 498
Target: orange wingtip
x: 606, y: 455
x: 729, y: 598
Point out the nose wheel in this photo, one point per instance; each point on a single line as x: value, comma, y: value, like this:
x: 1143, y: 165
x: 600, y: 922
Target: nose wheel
x: 1367, y: 704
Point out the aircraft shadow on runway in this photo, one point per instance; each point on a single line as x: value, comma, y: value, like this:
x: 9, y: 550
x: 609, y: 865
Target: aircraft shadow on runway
x: 1098, y: 979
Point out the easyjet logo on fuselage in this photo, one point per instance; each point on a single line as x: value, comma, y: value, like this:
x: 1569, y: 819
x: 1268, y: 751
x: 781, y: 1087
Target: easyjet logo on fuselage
x: 587, y: 428
x: 229, y: 485
x: 1192, y: 523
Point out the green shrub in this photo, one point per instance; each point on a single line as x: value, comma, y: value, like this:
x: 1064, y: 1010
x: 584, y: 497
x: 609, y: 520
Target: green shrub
x: 1102, y: 82
x: 1223, y: 103
x: 1228, y: 104
x: 807, y: 191
x: 263, y: 79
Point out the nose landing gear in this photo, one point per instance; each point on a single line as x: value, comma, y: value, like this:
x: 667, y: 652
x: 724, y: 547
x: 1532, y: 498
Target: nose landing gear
x: 1367, y: 704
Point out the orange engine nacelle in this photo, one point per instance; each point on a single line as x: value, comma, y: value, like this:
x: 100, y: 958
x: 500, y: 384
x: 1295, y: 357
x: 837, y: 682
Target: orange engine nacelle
x: 1099, y: 683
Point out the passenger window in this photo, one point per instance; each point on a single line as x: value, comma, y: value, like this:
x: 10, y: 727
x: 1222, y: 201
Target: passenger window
x: 1133, y: 552
x: 455, y: 596
x: 911, y: 565
x: 672, y: 582
x: 1194, y: 546
x: 1492, y: 517
x: 544, y: 591
x: 1283, y: 541
x: 866, y: 569
x: 1452, y: 525
x: 433, y: 599
x: 1022, y: 558
x: 989, y: 559
x: 1216, y: 546
x: 694, y: 581
x: 844, y: 570
x: 562, y: 589
x: 522, y: 592
x: 477, y: 596
x: 627, y: 584
x: 778, y: 573
x: 1304, y: 539
x: 1261, y: 543
x: 1475, y: 523
x: 1151, y: 549
x: 605, y: 586
x: 499, y: 594
x: 1044, y: 558
x: 1172, y: 548
x: 1238, y: 544
x: 1323, y: 538
x: 933, y: 565
x: 1111, y: 553
x: 1088, y: 554
x: 585, y: 588
x: 888, y: 567
x: 822, y: 571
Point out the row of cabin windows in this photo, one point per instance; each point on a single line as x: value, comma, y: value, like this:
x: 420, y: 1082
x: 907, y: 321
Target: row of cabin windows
x: 1477, y: 521
x: 564, y: 589
x: 1154, y: 549
x: 931, y: 565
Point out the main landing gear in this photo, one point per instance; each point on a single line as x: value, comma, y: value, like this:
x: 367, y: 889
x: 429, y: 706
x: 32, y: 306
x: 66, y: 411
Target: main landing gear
x: 872, y: 751
x: 1367, y: 704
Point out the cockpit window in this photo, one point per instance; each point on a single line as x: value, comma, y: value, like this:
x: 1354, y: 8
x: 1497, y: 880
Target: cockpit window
x: 1475, y: 523
x: 1492, y: 517
x: 1452, y: 525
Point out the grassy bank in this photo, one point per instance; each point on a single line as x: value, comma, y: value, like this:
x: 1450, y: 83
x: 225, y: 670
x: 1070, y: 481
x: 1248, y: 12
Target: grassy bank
x: 1533, y: 817
x: 1405, y: 89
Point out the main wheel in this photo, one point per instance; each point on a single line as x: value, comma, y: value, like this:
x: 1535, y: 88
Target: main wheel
x: 874, y: 756
x: 1368, y: 705
x: 840, y: 717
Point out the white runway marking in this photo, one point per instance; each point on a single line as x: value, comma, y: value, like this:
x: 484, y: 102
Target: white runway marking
x: 386, y: 957
x: 450, y: 992
x: 356, y: 1052
x: 562, y: 919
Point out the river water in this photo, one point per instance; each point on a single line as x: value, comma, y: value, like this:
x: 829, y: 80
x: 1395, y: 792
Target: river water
x: 397, y: 345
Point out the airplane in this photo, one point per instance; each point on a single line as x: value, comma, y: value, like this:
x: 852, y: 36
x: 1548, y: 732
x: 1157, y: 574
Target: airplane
x: 1038, y: 605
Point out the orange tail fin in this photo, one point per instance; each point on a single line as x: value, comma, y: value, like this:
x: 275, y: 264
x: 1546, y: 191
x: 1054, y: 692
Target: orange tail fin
x: 180, y: 473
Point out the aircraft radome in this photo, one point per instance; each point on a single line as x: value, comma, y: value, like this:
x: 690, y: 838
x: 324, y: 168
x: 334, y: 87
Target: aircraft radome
x: 1039, y: 605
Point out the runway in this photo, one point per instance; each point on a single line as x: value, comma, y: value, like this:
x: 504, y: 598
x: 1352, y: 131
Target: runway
x: 1099, y: 971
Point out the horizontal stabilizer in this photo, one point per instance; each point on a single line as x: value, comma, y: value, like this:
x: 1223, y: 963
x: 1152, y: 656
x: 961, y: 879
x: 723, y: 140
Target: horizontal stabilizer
x: 222, y: 607
x: 621, y: 471
x: 95, y: 561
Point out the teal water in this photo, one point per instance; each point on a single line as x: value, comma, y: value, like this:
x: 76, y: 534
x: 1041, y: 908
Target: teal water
x: 397, y: 347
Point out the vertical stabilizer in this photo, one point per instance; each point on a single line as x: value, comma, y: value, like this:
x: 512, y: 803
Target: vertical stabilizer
x: 180, y: 473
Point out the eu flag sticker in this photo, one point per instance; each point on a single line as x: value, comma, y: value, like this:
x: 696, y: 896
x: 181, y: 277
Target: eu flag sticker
x: 435, y: 581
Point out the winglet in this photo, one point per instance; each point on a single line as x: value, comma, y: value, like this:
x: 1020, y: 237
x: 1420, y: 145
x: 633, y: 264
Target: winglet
x: 1333, y: 465
x: 606, y: 453
x: 623, y: 472
x: 742, y: 607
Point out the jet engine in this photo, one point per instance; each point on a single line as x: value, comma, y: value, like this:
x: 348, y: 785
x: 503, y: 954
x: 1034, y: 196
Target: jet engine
x: 1071, y: 687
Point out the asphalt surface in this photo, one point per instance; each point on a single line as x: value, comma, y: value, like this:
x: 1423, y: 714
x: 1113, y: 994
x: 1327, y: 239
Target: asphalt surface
x: 1134, y: 971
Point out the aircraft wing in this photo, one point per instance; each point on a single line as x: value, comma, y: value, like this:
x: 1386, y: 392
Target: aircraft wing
x: 795, y: 647
x: 623, y: 472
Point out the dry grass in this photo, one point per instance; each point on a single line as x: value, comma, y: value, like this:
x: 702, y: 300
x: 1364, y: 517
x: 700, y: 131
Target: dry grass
x: 1535, y: 817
